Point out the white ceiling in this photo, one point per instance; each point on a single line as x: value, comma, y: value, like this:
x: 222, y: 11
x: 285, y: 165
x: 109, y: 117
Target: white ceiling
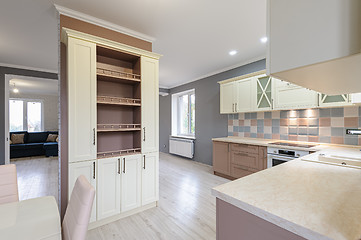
x: 194, y: 36
x: 30, y: 85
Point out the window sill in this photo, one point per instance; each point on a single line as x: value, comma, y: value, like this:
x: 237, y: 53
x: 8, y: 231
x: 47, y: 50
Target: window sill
x: 183, y: 136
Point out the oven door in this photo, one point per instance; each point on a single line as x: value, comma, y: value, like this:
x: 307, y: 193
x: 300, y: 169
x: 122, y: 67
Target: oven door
x: 274, y: 160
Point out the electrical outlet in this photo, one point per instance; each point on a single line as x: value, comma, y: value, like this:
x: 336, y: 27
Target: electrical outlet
x: 164, y: 146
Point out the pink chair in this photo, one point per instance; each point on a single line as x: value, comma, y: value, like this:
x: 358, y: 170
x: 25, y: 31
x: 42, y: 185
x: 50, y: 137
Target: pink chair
x: 78, y: 211
x: 8, y: 184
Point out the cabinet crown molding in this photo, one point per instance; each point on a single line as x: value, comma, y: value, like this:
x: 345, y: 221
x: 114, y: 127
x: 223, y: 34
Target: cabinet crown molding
x: 243, y: 77
x: 66, y: 33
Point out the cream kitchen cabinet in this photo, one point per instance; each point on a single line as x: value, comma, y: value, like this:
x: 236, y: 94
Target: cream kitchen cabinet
x: 262, y: 93
x: 227, y: 98
x: 236, y: 96
x: 89, y: 170
x: 291, y: 96
x: 131, y: 182
x: 82, y: 116
x: 109, y: 177
x: 150, y: 105
x: 334, y: 100
x: 150, y: 178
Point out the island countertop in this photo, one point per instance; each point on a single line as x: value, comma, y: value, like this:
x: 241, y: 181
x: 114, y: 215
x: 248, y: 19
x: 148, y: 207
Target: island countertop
x: 312, y: 200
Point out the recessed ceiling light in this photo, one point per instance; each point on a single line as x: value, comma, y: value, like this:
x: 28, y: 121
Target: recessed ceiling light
x: 233, y: 52
x: 264, y: 40
x: 15, y: 90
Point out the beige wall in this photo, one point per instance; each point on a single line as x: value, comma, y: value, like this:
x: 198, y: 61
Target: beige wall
x: 51, y: 122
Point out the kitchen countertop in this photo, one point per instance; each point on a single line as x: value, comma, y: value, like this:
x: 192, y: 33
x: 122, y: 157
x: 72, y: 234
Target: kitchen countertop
x: 313, y: 200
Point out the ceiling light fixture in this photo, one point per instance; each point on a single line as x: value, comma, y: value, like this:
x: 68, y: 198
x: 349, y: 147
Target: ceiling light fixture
x: 15, y: 90
x: 233, y: 52
x: 264, y: 40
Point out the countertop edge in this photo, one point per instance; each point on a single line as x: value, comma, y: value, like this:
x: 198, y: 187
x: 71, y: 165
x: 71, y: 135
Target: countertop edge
x: 278, y: 221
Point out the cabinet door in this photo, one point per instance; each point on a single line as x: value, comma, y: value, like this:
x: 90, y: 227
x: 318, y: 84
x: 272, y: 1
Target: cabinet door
x: 150, y: 104
x: 263, y: 89
x: 150, y: 178
x: 221, y: 163
x: 244, y: 95
x: 227, y: 102
x: 130, y: 182
x: 88, y: 169
x: 291, y: 96
x: 109, y: 175
x: 81, y: 100
x: 333, y: 100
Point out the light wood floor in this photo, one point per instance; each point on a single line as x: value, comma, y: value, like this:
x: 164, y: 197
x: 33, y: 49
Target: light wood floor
x: 187, y: 210
x: 37, y: 176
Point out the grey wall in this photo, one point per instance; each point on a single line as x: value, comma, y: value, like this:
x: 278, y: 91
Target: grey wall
x: 14, y: 71
x: 209, y: 122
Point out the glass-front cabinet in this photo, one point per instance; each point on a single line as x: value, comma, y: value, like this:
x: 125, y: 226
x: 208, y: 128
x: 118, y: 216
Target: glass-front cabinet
x: 333, y: 100
x: 264, y: 92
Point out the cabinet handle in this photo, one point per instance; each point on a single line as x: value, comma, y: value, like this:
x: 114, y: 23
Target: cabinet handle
x: 232, y: 107
x: 124, y: 165
x: 235, y: 107
x: 144, y: 134
x: 144, y: 161
x: 94, y: 136
x: 93, y: 170
x: 118, y: 165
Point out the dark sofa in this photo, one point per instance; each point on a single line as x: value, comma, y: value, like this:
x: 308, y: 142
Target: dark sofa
x: 34, y: 145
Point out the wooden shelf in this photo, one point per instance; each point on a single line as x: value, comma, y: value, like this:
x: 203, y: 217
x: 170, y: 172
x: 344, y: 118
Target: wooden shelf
x: 118, y: 101
x: 118, y: 127
x: 118, y: 153
x: 112, y: 75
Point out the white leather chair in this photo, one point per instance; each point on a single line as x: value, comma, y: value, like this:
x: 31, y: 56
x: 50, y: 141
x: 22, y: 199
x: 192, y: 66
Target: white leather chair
x: 8, y: 184
x: 78, y: 211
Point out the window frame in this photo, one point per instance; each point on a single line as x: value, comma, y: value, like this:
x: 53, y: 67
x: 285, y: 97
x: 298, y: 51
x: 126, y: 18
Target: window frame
x: 25, y: 112
x: 176, y: 113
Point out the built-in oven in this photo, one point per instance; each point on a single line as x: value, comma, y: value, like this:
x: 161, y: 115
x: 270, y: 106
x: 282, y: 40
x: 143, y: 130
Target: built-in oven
x: 276, y: 156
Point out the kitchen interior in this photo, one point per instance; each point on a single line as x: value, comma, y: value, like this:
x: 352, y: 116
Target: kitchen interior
x: 293, y: 139
x: 275, y: 152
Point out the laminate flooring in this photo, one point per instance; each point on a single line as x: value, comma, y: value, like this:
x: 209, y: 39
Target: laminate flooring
x: 186, y: 210
x: 37, y: 176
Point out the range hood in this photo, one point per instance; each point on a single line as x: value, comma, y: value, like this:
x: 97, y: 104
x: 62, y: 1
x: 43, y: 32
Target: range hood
x: 315, y: 44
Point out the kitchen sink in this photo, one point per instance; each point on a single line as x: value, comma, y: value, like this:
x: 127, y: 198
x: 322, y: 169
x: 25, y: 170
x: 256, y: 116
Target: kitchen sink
x: 340, y: 160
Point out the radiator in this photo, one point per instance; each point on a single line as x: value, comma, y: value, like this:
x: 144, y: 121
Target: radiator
x: 181, y: 146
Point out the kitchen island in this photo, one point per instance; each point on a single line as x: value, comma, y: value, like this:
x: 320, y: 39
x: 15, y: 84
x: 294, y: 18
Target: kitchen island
x: 296, y: 200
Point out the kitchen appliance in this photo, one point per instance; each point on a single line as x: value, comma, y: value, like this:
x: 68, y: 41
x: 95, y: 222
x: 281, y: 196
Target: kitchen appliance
x: 276, y: 155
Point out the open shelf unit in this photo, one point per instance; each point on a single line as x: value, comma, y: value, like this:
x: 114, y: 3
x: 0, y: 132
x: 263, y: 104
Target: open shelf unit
x: 118, y: 103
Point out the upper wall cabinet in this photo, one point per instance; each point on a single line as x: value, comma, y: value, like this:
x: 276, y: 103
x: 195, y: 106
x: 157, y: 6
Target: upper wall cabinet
x: 315, y: 44
x: 291, y: 96
x: 244, y: 95
x: 263, y: 88
x: 227, y: 98
x: 81, y: 100
x: 334, y: 100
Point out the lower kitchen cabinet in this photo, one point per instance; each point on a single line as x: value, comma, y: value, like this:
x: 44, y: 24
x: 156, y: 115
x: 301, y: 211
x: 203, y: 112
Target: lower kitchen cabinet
x: 109, y: 176
x: 221, y: 163
x: 234, y: 160
x: 130, y: 182
x: 150, y: 178
x: 88, y: 169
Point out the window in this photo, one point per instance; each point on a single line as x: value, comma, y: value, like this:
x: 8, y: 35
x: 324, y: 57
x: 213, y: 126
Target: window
x: 26, y: 115
x: 183, y: 113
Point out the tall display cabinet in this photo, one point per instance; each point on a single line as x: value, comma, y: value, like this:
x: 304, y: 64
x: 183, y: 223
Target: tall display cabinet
x: 113, y: 123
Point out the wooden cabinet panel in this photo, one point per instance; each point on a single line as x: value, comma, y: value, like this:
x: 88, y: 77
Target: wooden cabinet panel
x: 239, y: 171
x: 109, y: 172
x: 244, y: 95
x: 150, y: 178
x: 81, y: 100
x: 262, y: 153
x: 244, y: 148
x: 150, y: 104
x: 245, y: 159
x: 130, y: 182
x: 227, y: 93
x: 221, y: 163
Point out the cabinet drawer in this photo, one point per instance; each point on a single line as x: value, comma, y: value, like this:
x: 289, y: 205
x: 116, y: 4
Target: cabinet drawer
x: 244, y: 148
x: 239, y: 171
x: 245, y: 159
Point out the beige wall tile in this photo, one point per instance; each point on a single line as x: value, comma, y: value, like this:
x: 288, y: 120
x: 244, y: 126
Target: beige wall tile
x: 337, y: 122
x: 351, y: 111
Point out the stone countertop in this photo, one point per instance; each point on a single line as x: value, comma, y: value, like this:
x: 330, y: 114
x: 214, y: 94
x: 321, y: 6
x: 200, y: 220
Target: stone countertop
x: 313, y: 200
x: 268, y: 143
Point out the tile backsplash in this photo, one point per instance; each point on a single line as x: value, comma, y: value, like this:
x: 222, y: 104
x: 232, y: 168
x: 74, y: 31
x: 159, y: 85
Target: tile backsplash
x: 327, y: 125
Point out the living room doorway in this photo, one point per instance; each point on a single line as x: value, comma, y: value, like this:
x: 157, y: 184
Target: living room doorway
x: 32, y: 125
